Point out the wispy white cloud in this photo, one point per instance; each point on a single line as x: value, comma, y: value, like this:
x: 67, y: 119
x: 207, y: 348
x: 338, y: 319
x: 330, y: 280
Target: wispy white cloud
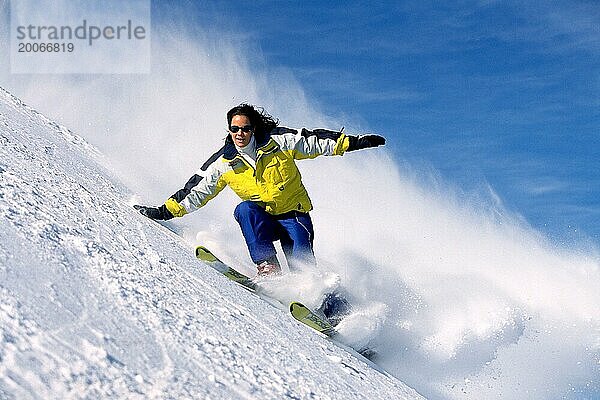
x: 536, y: 186
x: 557, y: 27
x: 363, y: 89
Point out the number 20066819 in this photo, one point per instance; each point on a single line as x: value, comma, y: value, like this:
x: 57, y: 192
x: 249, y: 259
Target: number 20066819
x: 46, y: 47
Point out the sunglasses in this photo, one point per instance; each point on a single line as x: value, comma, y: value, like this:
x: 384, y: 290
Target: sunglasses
x: 245, y: 128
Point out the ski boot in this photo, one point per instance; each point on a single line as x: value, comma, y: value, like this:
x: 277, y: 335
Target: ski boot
x: 269, y: 267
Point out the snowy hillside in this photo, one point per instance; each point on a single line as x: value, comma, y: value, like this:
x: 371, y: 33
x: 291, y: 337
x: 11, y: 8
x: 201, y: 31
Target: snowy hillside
x: 98, y: 302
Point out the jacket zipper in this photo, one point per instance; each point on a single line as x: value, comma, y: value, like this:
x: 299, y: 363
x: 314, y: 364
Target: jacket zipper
x: 258, y: 157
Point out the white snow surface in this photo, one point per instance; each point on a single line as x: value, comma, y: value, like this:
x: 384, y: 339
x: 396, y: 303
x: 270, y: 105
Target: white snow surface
x: 97, y: 301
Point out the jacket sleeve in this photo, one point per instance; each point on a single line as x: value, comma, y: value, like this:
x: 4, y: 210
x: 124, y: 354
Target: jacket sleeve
x: 304, y: 143
x: 199, y: 189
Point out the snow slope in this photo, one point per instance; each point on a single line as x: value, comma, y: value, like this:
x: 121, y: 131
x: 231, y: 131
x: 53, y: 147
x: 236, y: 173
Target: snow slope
x: 98, y: 302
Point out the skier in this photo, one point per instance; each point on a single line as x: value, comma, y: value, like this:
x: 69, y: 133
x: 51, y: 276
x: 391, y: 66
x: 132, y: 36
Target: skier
x: 258, y: 163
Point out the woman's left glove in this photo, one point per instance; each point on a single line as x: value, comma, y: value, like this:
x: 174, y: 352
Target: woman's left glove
x: 365, y: 141
x: 156, y: 213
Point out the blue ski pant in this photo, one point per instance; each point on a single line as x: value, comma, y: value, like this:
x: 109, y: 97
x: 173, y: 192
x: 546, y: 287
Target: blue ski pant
x: 294, y: 230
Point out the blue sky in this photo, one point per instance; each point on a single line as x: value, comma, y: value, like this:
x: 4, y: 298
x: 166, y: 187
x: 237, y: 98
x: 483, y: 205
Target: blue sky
x: 486, y: 92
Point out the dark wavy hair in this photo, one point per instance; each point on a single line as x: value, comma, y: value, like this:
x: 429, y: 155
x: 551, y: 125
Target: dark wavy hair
x: 262, y: 122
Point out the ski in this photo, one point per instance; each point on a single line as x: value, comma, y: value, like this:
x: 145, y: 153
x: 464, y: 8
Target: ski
x: 303, y: 314
x: 299, y: 311
x: 204, y: 254
x: 311, y: 319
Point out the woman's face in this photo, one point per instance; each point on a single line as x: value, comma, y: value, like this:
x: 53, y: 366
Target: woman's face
x: 241, y: 123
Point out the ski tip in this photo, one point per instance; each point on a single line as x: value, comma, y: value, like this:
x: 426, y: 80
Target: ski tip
x: 303, y: 314
x: 294, y: 305
x: 204, y: 254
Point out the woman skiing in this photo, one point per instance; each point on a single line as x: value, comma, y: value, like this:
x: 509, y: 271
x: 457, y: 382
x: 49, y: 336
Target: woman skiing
x: 258, y: 163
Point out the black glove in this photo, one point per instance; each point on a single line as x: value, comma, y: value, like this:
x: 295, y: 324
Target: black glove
x: 160, y: 213
x: 365, y: 141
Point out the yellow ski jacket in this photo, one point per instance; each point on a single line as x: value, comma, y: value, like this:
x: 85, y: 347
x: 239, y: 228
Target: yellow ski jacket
x: 275, y: 182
